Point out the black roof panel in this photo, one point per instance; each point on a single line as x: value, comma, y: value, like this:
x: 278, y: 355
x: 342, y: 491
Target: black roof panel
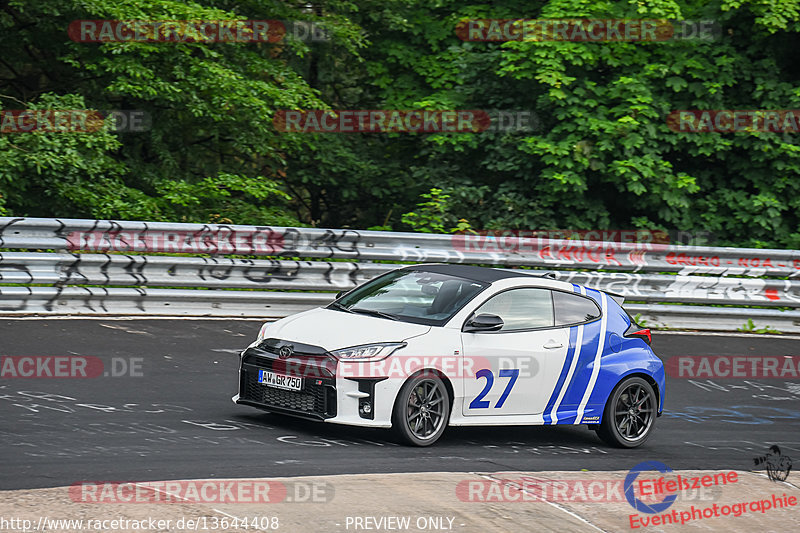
x: 485, y: 274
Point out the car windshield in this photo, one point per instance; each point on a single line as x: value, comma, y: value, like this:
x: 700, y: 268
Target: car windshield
x: 411, y: 296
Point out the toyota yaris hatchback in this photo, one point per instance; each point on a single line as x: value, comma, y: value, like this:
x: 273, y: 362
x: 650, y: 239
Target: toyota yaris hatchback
x: 427, y: 346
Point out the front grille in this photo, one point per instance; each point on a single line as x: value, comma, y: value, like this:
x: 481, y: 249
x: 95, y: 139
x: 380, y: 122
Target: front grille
x: 319, y: 368
x: 316, y: 399
x: 312, y: 399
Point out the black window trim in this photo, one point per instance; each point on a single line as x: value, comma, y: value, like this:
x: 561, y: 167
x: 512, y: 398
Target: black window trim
x: 552, y: 304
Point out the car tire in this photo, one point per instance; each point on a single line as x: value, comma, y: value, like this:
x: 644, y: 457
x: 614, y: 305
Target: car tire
x: 630, y: 414
x: 421, y: 410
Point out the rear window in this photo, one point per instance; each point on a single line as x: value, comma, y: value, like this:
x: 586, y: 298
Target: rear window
x: 574, y: 309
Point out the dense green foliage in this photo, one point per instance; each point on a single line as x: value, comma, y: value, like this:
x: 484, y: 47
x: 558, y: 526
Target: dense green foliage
x: 601, y: 154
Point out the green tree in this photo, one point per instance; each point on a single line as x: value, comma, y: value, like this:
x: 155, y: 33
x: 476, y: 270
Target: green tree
x: 602, y: 155
x: 212, y: 151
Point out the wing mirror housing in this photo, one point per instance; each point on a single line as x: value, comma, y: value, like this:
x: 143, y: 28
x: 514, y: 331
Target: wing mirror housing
x: 483, y: 322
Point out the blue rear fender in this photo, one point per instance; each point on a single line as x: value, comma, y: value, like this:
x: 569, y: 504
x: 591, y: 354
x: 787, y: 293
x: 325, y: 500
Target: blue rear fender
x: 600, y: 342
x: 622, y: 357
x: 633, y: 360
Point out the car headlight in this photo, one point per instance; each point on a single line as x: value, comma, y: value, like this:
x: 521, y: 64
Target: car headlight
x: 369, y: 352
x: 263, y: 331
x: 262, y: 334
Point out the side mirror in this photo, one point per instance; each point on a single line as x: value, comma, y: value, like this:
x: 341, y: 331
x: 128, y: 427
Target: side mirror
x: 483, y: 322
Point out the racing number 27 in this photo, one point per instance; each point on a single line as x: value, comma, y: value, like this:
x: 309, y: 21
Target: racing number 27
x: 479, y: 402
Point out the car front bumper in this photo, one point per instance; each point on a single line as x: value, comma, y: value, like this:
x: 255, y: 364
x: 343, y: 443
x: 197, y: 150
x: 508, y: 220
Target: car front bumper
x: 361, y: 401
x: 317, y: 397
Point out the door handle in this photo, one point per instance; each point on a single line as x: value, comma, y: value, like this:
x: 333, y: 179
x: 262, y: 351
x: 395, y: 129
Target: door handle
x: 551, y: 345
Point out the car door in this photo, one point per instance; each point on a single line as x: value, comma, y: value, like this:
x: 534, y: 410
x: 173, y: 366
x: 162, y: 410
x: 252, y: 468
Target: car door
x: 513, y: 371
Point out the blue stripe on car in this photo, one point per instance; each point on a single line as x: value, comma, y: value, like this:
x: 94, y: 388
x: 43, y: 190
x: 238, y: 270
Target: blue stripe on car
x: 555, y: 398
x: 577, y: 388
x: 595, y: 372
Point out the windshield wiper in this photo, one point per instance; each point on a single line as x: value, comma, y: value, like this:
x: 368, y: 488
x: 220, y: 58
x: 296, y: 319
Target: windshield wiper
x: 340, y: 307
x: 372, y: 312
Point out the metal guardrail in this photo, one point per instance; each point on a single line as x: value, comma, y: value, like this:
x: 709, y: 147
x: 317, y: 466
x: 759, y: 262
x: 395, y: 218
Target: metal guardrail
x: 174, y: 271
x: 90, y: 301
x: 99, y: 269
x: 108, y: 236
x: 715, y: 318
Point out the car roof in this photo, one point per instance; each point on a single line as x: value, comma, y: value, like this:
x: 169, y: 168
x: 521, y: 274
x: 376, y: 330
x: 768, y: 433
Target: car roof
x: 484, y: 274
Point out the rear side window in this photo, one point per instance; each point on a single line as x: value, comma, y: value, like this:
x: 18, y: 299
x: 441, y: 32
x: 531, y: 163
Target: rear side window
x: 574, y: 309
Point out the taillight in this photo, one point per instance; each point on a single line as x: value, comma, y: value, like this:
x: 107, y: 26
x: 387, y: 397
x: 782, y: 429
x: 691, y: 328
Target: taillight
x: 642, y: 333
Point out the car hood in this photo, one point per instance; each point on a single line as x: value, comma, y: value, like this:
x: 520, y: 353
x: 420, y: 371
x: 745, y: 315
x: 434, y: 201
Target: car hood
x: 333, y: 330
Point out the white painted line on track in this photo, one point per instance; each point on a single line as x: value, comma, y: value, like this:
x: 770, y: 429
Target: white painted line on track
x: 543, y: 500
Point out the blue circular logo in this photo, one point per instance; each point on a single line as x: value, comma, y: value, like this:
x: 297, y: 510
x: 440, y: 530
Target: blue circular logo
x: 638, y: 504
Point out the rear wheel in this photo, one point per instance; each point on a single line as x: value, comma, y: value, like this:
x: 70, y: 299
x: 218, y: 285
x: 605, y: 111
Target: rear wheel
x: 629, y: 414
x: 422, y: 410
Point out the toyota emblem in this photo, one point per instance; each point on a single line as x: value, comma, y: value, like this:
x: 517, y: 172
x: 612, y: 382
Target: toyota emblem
x: 286, y: 352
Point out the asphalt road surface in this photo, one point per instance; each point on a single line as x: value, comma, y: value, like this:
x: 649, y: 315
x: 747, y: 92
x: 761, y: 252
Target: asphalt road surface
x: 164, y: 412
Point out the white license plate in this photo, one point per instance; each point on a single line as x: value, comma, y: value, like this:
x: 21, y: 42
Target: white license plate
x: 279, y: 381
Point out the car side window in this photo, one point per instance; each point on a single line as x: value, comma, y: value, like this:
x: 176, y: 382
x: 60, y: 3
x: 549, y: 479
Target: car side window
x: 521, y: 309
x: 574, y: 309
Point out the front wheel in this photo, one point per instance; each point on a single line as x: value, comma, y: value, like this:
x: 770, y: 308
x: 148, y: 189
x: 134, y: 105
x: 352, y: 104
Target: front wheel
x: 422, y: 410
x: 629, y: 414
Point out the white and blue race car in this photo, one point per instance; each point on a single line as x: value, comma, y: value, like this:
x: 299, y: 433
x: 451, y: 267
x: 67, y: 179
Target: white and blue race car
x: 426, y: 346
